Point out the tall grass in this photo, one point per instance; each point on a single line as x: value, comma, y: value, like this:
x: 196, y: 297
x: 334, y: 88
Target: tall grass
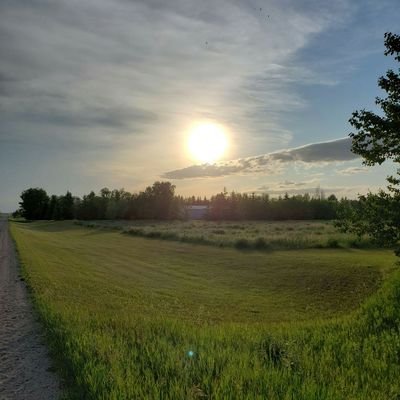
x: 106, y: 348
x: 258, y: 235
x: 148, y: 358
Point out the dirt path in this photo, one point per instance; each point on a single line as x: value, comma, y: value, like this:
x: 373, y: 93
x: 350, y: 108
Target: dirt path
x: 24, y: 362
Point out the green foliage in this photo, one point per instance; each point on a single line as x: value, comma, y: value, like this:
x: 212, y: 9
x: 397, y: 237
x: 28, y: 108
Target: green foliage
x: 378, y: 139
x: 61, y: 207
x: 156, y: 202
x: 261, y: 244
x: 122, y: 313
x: 67, y: 206
x: 333, y: 243
x: 375, y: 214
x: 242, y: 244
x: 34, y: 203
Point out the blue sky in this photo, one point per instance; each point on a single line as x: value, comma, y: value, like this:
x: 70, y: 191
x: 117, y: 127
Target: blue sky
x: 102, y: 93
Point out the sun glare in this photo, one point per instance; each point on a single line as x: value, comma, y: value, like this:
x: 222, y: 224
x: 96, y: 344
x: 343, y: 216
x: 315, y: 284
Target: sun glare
x: 207, y: 142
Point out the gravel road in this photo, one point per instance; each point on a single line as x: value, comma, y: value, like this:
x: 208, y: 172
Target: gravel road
x: 25, y: 368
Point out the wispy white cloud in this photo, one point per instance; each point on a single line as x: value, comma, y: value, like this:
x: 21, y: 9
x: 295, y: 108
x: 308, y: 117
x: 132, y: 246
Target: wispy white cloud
x: 290, y: 185
x: 352, y: 171
x: 339, y: 191
x: 147, y: 67
x: 306, y: 190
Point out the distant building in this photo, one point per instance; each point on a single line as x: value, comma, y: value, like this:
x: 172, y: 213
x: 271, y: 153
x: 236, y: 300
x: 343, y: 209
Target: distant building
x: 196, y: 212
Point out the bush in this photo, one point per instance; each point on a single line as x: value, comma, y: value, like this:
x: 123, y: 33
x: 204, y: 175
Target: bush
x: 135, y: 231
x: 332, y: 243
x: 153, y: 234
x: 242, y: 244
x: 260, y: 244
x: 169, y: 236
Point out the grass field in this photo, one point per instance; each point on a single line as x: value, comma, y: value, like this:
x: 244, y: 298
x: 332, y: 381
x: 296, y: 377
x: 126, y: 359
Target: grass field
x: 132, y: 318
x: 260, y: 235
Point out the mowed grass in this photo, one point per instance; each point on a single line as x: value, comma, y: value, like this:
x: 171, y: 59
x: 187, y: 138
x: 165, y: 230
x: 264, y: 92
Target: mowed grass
x: 122, y: 313
x: 200, y: 283
x: 259, y: 235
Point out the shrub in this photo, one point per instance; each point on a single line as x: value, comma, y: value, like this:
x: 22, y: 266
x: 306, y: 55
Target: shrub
x: 153, y: 234
x: 242, y: 244
x: 169, y: 236
x: 332, y: 243
x: 260, y: 244
x: 135, y: 231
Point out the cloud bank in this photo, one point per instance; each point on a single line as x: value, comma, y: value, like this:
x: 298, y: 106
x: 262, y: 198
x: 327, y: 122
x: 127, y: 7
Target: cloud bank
x: 315, y: 153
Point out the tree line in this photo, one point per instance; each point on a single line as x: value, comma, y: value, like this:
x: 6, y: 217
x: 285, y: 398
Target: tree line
x: 156, y: 202
x: 243, y: 206
x: 159, y: 202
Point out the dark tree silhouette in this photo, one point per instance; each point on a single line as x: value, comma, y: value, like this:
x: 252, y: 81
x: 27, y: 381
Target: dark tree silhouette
x: 34, y: 203
x: 53, y: 208
x: 159, y: 202
x: 66, y: 206
x: 378, y: 136
x: 160, y: 199
x: 377, y: 139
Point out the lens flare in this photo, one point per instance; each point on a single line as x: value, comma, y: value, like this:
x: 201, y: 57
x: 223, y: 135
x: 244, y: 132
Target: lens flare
x: 190, y: 353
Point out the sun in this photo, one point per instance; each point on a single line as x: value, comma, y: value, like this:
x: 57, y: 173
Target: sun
x: 207, y: 142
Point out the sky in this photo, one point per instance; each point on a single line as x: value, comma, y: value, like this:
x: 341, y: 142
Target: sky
x: 104, y: 93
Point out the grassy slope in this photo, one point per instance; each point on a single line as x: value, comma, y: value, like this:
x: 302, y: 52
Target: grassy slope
x: 122, y: 313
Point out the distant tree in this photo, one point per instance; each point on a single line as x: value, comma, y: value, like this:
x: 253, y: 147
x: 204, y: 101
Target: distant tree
x: 377, y: 139
x: 219, y: 206
x: 34, y: 203
x: 66, y: 206
x: 53, y: 208
x: 118, y: 204
x: 160, y: 202
x: 86, y: 208
x: 161, y: 197
x: 105, y: 193
x: 332, y: 197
